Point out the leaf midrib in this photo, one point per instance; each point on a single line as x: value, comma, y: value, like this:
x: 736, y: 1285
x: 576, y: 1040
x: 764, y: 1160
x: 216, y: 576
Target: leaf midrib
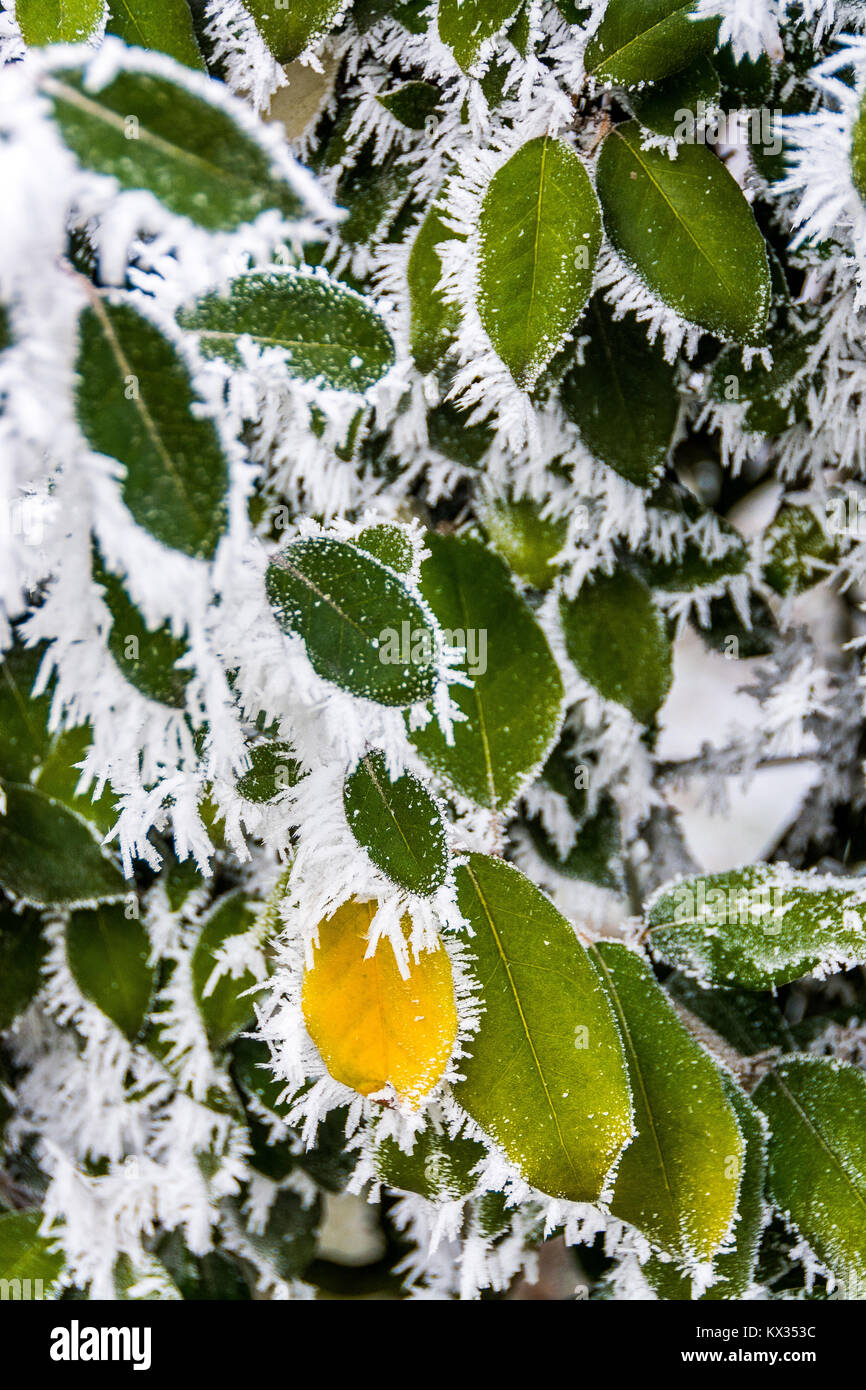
x: 823, y: 1143
x: 644, y: 34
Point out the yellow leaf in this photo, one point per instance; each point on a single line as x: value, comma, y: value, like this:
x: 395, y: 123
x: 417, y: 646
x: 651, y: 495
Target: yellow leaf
x: 370, y: 1025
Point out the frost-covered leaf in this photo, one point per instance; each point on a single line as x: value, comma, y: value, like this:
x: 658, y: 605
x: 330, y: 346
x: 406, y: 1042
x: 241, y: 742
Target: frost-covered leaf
x: 289, y: 29
x: 660, y: 108
x: 388, y: 542
x: 758, y: 927
x: 49, y: 855
x: 274, y: 767
x: 644, y: 40
x: 539, y: 235
x: 58, y: 21
x: 858, y: 151
x: 326, y: 331
x: 678, y: 1179
x: 449, y: 431
x: 22, y: 951
x: 438, y: 1168
x: 734, y: 1270
x: 528, y: 541
x: 398, y: 824
x: 220, y: 994
x: 798, y: 551
x: 464, y: 25
x: 145, y: 1280
x: 749, y: 1021
x: 594, y: 855
x: 546, y: 1077
x: 817, y: 1159
x: 624, y: 398
x: 108, y: 954
x: 412, y: 104
x: 371, y: 1025
x: 164, y: 25
x: 136, y: 403
x: 26, y: 1255
x: 148, y: 657
x: 618, y: 642
x: 287, y: 1243
x: 776, y: 399
x: 152, y: 133
x: 685, y: 228
x: 362, y: 627
x: 514, y: 705
x: 434, y: 320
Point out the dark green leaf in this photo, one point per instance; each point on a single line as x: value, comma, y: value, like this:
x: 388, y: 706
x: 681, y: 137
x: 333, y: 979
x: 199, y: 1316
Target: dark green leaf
x: 412, y: 104
x: 398, y: 824
x: 666, y: 107
x: 289, y: 29
x: 388, y: 543
x: 362, y: 628
x: 148, y: 657
x: 685, y: 228
x: 438, y: 1168
x: 514, y: 705
x: 49, y: 855
x: 624, y: 399
x: 108, y: 956
x: 25, y: 1255
x: 274, y: 767
x: 644, y: 40
x: 464, y: 25
x: 224, y: 1006
x: 22, y: 952
x: 326, y: 331
x: 136, y: 403
x: 546, y: 1077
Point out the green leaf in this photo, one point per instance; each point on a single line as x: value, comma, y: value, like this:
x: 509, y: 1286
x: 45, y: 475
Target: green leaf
x: 412, y: 104
x: 514, y: 705
x: 750, y: 1022
x: 817, y: 1159
x: 289, y: 29
x: 618, y: 642
x: 464, y: 25
x: 49, y: 855
x: 594, y: 855
x: 546, y: 1077
x: 439, y: 1168
x: 274, y: 767
x: 22, y: 952
x: 433, y: 320
x: 678, y: 1180
x: 58, y: 21
x: 362, y: 628
x: 164, y: 25
x: 151, y: 132
x: 798, y: 550
x: 685, y: 228
x: 775, y: 399
x: 388, y: 543
x: 252, y: 1069
x: 108, y: 956
x: 26, y: 1255
x: 136, y: 403
x: 644, y: 40
x: 758, y: 927
x: 288, y: 1241
x: 398, y: 824
x: 526, y: 540
x: 624, y: 399
x: 539, y: 235
x: 660, y: 108
x: 733, y: 1271
x: 148, y: 657
x: 449, y: 433
x: 328, y: 333
x: 224, y: 1006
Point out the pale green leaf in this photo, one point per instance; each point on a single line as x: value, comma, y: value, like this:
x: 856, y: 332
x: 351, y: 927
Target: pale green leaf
x: 528, y: 541
x: 290, y: 28
x: 539, y: 235
x: 26, y: 1255
x: 514, y: 704
x: 164, y: 25
x: 546, y: 1076
x: 464, y: 25
x: 58, y: 21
